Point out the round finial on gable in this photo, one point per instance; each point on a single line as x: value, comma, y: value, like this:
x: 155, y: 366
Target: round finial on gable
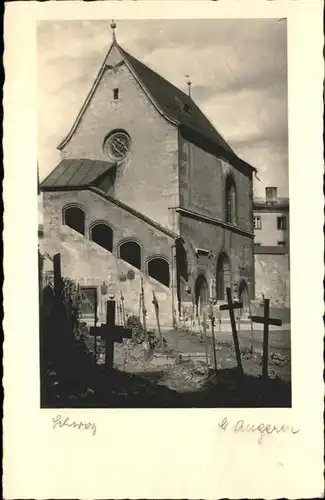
x: 113, y: 27
x: 189, y: 83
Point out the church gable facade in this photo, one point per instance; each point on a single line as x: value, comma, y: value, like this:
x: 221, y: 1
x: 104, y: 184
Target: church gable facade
x: 147, y: 174
x: 147, y: 185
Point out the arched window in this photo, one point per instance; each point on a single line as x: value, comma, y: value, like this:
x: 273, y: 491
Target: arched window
x: 130, y: 251
x: 201, y: 294
x: 223, y: 280
x: 158, y: 269
x: 243, y: 294
x: 231, y: 209
x: 74, y: 217
x: 102, y: 234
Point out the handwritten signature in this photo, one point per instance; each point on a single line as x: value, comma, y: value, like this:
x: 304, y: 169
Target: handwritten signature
x: 262, y: 429
x: 59, y: 421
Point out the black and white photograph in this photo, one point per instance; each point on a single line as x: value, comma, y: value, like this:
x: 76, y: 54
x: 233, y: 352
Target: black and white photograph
x: 164, y: 249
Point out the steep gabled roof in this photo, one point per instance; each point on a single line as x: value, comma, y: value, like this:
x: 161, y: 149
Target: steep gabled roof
x: 76, y: 172
x: 174, y: 103
x: 176, y: 106
x: 171, y: 102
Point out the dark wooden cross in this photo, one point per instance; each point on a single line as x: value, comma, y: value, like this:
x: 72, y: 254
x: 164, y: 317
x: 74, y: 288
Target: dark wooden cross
x: 231, y: 306
x: 110, y: 333
x: 58, y: 281
x: 213, y: 337
x: 266, y: 320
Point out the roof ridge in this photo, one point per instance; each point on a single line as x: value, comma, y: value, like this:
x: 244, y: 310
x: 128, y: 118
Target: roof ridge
x: 188, y: 98
x: 87, y: 99
x: 210, y: 128
x: 168, y: 99
x: 156, y: 72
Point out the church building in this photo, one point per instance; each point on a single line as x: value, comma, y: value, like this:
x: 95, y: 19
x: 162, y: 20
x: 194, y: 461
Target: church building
x: 148, y: 195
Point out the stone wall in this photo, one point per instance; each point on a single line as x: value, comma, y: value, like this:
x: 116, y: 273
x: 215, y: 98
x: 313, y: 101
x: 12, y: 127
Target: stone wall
x: 202, y: 185
x: 90, y: 265
x: 148, y: 179
x: 125, y: 225
x: 272, y: 278
x: 238, y: 248
x: 202, y: 190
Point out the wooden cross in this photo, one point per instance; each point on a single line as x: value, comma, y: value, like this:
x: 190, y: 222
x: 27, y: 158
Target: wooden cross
x: 213, y: 337
x: 110, y: 333
x: 57, y: 277
x: 266, y: 320
x: 156, y: 305
x: 231, y: 306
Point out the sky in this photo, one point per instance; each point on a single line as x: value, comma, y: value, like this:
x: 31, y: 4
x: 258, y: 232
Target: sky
x: 238, y: 70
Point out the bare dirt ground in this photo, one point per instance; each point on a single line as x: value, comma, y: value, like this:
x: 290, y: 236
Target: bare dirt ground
x: 176, y: 375
x: 192, y: 353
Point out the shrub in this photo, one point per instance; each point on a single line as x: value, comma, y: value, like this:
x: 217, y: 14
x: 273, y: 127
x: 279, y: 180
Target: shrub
x: 156, y: 342
x: 135, y: 324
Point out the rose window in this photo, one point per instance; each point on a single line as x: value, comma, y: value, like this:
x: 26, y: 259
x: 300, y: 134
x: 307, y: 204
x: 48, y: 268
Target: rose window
x: 117, y: 145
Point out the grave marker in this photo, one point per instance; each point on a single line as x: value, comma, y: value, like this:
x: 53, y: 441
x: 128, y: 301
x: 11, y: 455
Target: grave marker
x: 57, y: 277
x: 144, y: 311
x: 204, y: 324
x: 213, y: 338
x: 156, y: 306
x: 266, y: 320
x: 110, y: 333
x: 231, y: 306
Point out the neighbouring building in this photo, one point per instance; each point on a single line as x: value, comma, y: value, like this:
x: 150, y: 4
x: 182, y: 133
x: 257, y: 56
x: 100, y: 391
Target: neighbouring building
x: 148, y: 189
x: 272, y: 247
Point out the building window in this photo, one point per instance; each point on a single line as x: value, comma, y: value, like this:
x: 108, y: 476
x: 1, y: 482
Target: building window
x: 74, y: 217
x: 230, y: 200
x: 130, y: 252
x: 201, y: 295
x: 102, y: 234
x: 223, y: 278
x: 115, y: 94
x: 158, y: 269
x: 88, y: 301
x: 257, y: 222
x: 271, y: 194
x: 282, y: 223
x: 117, y: 145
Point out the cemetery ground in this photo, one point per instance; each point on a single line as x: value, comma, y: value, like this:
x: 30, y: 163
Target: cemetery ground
x: 177, y: 372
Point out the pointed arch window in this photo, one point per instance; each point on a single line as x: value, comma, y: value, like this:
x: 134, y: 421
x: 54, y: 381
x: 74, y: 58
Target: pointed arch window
x: 74, y: 217
x: 223, y: 278
x: 201, y: 294
x: 102, y: 234
x: 130, y: 251
x: 158, y: 268
x: 231, y: 200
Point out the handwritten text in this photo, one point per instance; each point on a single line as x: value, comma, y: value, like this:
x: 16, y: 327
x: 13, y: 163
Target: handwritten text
x: 60, y: 421
x: 261, y: 429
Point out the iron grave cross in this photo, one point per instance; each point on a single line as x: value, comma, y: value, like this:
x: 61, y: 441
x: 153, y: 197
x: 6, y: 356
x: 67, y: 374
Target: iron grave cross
x: 110, y: 333
x: 266, y: 320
